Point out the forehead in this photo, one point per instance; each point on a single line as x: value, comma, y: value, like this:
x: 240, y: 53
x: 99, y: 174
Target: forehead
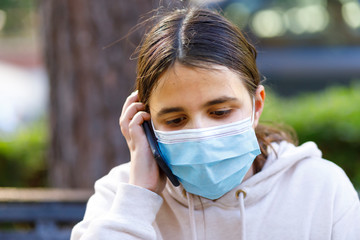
x: 182, y: 84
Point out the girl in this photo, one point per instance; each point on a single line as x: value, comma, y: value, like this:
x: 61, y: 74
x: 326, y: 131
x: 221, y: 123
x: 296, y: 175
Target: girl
x: 199, y: 87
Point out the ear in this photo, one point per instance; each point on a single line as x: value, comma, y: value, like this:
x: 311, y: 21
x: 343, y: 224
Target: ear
x: 259, y: 104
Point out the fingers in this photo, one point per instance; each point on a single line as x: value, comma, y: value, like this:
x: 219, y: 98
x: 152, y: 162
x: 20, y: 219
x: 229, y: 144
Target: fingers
x: 128, y: 115
x: 130, y: 108
x: 136, y: 132
x: 144, y: 170
x: 133, y: 97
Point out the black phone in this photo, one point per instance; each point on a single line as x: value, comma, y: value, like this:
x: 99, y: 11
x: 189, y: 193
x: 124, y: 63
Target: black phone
x: 150, y: 135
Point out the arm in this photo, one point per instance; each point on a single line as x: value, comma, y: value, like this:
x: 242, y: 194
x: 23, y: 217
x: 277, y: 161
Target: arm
x: 346, y: 212
x: 348, y: 226
x: 126, y: 201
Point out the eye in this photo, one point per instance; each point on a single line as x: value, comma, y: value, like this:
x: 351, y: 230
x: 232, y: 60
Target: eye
x: 175, y: 122
x: 220, y: 113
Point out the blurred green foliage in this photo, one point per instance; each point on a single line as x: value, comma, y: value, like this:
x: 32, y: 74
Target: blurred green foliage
x: 23, y: 156
x: 330, y: 118
x: 20, y: 16
x: 8, y: 4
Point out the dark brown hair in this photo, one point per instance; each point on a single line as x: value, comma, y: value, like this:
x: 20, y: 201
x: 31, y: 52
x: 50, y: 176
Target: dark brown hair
x: 199, y: 38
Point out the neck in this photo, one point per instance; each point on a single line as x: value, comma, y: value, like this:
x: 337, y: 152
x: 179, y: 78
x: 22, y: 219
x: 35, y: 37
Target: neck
x: 249, y: 173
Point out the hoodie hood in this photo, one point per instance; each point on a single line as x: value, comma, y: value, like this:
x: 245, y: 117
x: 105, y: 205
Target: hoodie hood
x: 282, y: 156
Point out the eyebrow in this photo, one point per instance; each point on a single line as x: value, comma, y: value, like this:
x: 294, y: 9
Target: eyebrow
x: 207, y: 104
x: 220, y: 100
x: 169, y: 110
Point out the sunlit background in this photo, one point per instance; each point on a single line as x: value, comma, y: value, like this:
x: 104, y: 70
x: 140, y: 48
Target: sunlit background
x: 309, y: 53
x: 295, y: 20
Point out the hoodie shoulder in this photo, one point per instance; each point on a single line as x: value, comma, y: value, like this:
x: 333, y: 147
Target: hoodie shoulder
x: 306, y: 161
x: 304, y: 166
x: 321, y: 171
x: 119, y: 174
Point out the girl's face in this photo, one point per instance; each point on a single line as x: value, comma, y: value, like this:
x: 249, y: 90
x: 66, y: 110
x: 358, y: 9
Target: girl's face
x: 187, y: 98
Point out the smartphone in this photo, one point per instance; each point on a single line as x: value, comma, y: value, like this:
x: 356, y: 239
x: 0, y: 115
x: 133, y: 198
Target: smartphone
x: 150, y: 135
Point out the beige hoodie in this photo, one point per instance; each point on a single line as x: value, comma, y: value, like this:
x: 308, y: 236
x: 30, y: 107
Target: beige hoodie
x: 297, y: 195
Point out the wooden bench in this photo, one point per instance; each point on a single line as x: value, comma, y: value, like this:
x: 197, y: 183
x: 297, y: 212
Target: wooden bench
x: 37, y: 214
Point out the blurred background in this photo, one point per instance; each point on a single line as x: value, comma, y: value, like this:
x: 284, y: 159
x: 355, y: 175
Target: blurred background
x: 62, y: 88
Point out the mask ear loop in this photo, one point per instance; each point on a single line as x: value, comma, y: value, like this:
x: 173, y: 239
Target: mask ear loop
x: 152, y: 124
x: 253, y: 111
x: 153, y: 127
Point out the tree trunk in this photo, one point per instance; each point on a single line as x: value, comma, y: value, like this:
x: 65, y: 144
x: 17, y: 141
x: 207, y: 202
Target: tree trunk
x: 88, y: 84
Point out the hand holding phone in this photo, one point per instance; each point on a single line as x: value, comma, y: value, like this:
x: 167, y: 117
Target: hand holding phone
x: 157, y: 153
x: 144, y: 170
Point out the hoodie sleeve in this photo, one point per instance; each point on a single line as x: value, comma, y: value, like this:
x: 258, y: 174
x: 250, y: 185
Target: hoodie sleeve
x: 346, y: 212
x: 348, y: 226
x: 118, y: 210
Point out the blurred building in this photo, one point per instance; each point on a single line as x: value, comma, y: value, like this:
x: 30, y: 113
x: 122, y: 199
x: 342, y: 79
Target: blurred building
x: 302, y: 44
x: 23, y: 83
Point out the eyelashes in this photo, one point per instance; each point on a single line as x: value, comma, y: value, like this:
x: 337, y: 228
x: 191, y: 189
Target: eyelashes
x: 179, y: 121
x: 175, y: 122
x: 221, y: 113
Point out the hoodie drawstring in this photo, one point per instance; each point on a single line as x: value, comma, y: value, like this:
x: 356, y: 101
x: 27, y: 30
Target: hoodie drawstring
x: 240, y: 195
x: 191, y: 215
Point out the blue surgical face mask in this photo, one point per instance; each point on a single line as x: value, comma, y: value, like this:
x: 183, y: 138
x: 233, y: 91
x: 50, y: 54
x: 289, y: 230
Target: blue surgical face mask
x: 210, y: 162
